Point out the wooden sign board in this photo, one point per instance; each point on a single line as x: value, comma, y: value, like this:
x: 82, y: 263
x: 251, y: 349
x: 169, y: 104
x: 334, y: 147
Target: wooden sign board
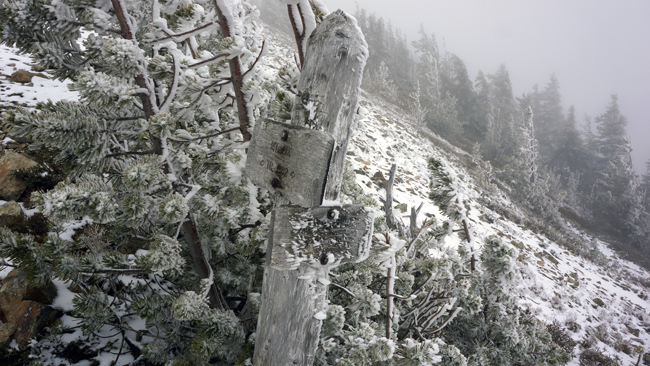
x: 320, y: 236
x: 290, y: 160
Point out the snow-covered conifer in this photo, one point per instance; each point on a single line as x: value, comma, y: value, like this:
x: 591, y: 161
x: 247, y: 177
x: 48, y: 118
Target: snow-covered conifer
x: 168, y: 92
x: 530, y: 145
x: 418, y: 111
x: 445, y: 194
x: 499, y: 331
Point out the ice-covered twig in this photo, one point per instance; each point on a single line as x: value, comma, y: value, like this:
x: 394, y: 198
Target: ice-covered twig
x: 172, y: 91
x: 180, y: 37
x: 393, y: 222
x: 209, y: 61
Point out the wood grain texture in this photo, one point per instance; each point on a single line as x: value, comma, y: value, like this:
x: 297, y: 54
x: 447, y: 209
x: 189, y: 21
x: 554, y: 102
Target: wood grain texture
x: 290, y: 160
x: 320, y: 236
x: 328, y: 89
x: 287, y: 332
x: 393, y: 222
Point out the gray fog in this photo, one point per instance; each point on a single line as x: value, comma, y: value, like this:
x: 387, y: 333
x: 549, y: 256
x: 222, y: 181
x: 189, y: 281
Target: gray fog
x: 595, y: 48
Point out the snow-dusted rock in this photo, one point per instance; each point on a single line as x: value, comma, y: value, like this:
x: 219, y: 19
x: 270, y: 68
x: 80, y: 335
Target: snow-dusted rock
x: 11, y: 187
x: 9, y: 211
x: 27, y: 306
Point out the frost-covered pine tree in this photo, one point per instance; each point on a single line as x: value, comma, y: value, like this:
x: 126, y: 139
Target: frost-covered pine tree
x: 445, y: 194
x: 498, y: 331
x: 390, y: 308
x: 530, y: 145
x: 381, y: 83
x: 644, y: 188
x: 418, y: 111
x: 614, y: 203
x: 490, y: 328
x: 171, y: 235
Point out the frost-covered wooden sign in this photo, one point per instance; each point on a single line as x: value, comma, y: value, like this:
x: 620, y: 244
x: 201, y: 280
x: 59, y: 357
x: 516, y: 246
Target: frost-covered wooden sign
x: 290, y: 160
x: 320, y: 235
x: 292, y: 305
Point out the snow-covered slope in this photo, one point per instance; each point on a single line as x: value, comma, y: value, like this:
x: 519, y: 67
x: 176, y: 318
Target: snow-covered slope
x: 41, y: 88
x: 558, y: 284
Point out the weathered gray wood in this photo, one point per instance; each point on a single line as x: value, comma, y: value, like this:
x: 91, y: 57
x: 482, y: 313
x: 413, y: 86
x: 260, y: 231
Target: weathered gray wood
x: 287, y: 330
x: 290, y: 160
x: 328, y: 88
x: 320, y: 235
x: 394, y: 223
x: 414, y: 219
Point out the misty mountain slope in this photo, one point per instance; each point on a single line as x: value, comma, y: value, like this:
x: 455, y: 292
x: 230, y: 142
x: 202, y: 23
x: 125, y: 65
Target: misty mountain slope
x: 558, y: 285
x: 608, y: 303
x: 41, y: 87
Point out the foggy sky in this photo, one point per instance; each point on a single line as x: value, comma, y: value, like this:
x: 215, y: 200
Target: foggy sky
x: 595, y: 48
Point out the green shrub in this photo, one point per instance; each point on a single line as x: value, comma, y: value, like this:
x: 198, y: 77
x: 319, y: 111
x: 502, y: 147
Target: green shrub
x: 596, y: 357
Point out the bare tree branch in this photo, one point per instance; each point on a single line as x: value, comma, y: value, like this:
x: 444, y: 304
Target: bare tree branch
x: 179, y: 37
x: 208, y: 61
x: 237, y: 78
x: 146, y: 152
x: 206, y: 136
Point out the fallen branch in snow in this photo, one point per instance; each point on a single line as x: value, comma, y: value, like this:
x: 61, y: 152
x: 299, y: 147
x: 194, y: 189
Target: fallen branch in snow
x: 393, y: 222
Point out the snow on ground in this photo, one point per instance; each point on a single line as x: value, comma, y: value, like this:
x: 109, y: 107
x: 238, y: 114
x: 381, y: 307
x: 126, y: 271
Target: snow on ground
x: 558, y: 284
x: 41, y: 88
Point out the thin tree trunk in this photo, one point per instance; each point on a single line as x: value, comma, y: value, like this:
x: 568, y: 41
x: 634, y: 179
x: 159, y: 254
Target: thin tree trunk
x: 236, y: 77
x: 296, y: 33
x: 202, y: 267
x: 393, y: 222
x: 190, y: 233
x: 390, y: 289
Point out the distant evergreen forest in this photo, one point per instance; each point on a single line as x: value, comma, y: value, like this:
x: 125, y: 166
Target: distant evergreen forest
x: 536, y: 150
x: 551, y: 161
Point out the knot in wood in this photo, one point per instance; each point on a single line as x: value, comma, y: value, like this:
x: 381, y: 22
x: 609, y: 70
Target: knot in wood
x: 324, y: 259
x: 340, y: 34
x: 284, y: 135
x: 304, y: 98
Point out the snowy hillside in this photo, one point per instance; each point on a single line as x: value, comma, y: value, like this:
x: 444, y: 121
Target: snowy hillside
x: 40, y: 88
x: 559, y: 285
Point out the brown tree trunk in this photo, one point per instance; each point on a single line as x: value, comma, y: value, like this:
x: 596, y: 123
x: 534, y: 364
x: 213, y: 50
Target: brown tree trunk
x: 297, y: 34
x: 237, y: 79
x: 150, y: 109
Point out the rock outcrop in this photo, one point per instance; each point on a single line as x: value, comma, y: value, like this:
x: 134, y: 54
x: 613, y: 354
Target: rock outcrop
x: 24, y: 76
x: 6, y: 331
x: 11, y: 187
x: 26, y: 306
x: 10, y: 212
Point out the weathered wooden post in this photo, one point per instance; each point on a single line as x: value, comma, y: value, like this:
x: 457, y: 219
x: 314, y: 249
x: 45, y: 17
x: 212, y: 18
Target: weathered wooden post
x: 303, y: 164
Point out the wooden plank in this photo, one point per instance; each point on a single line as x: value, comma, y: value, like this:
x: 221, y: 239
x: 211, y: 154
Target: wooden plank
x: 290, y: 160
x: 287, y: 331
x: 328, y: 89
x: 320, y: 236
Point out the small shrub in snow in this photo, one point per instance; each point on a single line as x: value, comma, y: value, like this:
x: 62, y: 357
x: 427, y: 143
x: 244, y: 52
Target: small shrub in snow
x: 624, y: 345
x: 560, y: 337
x: 596, y: 357
x: 571, y: 322
x: 557, y: 303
